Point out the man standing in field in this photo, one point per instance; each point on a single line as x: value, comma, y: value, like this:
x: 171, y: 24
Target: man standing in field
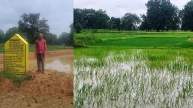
x: 41, y: 48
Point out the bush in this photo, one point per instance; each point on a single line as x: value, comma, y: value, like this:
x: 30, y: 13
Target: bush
x: 82, y: 41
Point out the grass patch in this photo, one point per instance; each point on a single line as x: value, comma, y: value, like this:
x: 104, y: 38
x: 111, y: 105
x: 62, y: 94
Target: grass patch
x: 16, y: 79
x: 137, y: 39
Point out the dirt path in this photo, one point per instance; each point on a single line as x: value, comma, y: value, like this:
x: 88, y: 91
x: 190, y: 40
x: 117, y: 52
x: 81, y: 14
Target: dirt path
x: 50, y: 90
x: 1, y: 62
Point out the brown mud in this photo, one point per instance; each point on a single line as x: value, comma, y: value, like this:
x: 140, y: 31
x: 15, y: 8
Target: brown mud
x: 49, y: 90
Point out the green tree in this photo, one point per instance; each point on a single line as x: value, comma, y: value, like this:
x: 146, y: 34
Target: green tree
x: 90, y: 19
x: 10, y: 32
x: 145, y: 24
x: 161, y: 15
x: 51, y: 38
x: 31, y: 24
x: 65, y: 39
x: 2, y: 35
x: 115, y: 23
x: 187, y: 17
x: 130, y: 21
x: 77, y: 27
x: 79, y: 20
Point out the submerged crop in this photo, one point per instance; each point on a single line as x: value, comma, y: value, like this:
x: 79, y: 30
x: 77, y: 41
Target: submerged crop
x: 127, y: 82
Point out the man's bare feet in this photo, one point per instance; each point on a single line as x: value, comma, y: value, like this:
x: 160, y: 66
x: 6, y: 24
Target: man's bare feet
x: 38, y: 71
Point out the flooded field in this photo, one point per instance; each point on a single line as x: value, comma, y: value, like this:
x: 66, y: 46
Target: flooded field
x: 58, y: 66
x: 60, y: 61
x: 133, y: 81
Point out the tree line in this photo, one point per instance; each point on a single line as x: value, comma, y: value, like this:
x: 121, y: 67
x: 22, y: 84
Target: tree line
x: 161, y: 15
x: 30, y: 25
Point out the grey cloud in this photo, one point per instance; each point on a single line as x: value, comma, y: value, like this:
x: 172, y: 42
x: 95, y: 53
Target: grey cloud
x: 59, y: 13
x: 118, y: 8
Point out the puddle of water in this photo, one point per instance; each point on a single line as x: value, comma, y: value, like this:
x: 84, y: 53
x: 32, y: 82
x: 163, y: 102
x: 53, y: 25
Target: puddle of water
x: 58, y: 66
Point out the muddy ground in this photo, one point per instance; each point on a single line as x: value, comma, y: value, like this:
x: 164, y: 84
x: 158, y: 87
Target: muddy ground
x: 53, y: 89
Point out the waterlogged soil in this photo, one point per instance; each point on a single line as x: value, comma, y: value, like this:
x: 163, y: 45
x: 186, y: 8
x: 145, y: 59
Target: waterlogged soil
x: 58, y: 66
x: 60, y: 61
x: 122, y: 82
x: 53, y: 89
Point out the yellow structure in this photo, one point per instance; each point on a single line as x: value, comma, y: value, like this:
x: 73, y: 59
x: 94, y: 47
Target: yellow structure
x: 16, y: 55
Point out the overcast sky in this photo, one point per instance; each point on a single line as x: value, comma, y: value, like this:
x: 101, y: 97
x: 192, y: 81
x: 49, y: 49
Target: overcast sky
x: 118, y: 8
x: 59, y: 13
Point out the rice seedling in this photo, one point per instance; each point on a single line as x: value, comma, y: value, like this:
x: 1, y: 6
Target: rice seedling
x: 122, y: 81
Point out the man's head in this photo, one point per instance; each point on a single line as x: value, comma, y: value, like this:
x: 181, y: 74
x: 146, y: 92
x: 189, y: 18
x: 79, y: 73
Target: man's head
x: 41, y: 36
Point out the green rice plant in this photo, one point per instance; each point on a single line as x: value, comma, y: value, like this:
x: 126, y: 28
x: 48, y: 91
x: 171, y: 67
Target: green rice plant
x: 133, y: 39
x: 121, y: 81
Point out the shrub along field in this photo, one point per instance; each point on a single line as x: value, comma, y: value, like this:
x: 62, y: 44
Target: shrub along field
x: 134, y: 39
x: 133, y: 69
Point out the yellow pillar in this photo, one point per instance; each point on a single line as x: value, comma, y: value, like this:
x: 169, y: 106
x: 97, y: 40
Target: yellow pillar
x: 16, y: 51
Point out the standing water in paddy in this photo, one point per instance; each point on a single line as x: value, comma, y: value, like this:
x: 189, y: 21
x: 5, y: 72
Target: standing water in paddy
x: 58, y: 65
x: 135, y: 80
